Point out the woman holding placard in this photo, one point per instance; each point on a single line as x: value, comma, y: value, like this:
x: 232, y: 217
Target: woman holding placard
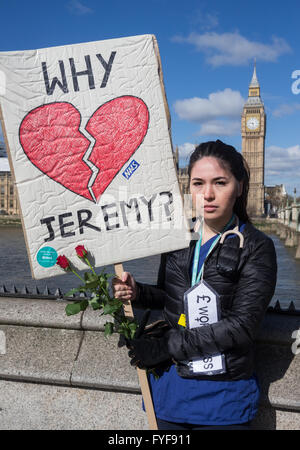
x: 214, y: 295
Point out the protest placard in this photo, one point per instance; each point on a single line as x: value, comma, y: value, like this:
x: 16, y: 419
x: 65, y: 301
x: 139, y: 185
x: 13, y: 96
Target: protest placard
x: 88, y: 137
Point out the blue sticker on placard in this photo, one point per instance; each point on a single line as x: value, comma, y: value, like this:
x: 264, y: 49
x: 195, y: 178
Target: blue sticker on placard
x: 47, y: 257
x: 130, y: 169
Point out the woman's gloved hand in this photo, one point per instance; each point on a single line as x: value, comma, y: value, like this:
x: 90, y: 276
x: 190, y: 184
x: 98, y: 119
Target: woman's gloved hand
x: 149, y: 348
x: 148, y: 352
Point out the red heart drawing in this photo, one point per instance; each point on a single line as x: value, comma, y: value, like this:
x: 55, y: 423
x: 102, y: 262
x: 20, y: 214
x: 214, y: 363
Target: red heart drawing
x: 51, y: 138
x: 119, y: 127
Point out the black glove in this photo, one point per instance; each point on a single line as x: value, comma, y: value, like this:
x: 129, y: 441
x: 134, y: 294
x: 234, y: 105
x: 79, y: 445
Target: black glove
x: 147, y: 352
x: 122, y: 339
x: 149, y: 348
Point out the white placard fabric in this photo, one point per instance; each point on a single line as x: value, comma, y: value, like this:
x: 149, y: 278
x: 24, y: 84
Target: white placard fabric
x: 91, y: 153
x: 201, y: 309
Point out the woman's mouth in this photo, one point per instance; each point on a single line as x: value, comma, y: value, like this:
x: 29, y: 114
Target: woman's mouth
x: 210, y: 208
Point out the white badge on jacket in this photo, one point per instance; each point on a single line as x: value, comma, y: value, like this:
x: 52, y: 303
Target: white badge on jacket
x: 201, y: 304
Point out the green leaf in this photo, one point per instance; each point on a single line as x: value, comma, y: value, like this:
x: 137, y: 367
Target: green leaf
x: 125, y: 330
x: 75, y: 308
x: 108, y: 329
x: 87, y: 276
x: 92, y: 281
x: 132, y: 329
x: 103, y: 282
x: 110, y: 308
x: 94, y: 302
x: 72, y: 291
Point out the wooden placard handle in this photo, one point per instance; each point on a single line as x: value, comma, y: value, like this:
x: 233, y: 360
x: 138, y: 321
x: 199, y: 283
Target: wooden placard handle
x: 142, y: 374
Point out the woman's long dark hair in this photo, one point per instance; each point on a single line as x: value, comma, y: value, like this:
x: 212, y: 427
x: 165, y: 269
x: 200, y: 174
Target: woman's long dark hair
x: 234, y: 161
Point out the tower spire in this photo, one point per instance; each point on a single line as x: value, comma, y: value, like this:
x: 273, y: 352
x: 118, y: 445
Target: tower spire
x: 254, y: 81
x: 254, y: 89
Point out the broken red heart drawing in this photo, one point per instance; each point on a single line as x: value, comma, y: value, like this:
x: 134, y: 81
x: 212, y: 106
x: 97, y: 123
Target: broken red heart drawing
x: 84, y: 160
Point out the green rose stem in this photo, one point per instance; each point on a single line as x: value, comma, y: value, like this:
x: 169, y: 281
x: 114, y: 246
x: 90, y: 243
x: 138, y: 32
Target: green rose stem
x: 88, y: 262
x: 78, y: 276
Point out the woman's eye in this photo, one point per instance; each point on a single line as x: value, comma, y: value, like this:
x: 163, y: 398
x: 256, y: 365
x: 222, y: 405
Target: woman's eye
x: 221, y: 183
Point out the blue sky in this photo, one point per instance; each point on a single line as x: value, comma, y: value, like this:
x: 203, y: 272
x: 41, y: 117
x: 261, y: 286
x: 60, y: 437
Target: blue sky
x: 207, y: 50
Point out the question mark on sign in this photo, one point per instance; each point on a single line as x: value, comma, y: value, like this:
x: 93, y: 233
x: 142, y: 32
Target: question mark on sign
x: 166, y: 205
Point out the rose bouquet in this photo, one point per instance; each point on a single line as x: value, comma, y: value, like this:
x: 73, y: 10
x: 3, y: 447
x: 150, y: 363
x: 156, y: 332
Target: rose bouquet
x: 97, y: 285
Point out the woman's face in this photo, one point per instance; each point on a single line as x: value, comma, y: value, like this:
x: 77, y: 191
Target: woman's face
x: 218, y: 188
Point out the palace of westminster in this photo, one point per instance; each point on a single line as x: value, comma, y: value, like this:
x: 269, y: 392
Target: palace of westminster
x: 253, y: 129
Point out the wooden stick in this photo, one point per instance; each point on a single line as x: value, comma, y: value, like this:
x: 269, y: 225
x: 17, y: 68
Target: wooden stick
x: 142, y: 375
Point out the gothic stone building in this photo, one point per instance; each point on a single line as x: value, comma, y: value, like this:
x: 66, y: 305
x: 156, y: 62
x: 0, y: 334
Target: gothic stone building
x: 8, y: 195
x: 253, y: 146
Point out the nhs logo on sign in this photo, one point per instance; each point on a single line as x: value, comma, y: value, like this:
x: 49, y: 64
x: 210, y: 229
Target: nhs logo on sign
x: 130, y: 169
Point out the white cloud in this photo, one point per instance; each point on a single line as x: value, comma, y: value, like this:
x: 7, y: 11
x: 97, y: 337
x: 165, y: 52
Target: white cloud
x: 283, y: 161
x: 282, y: 166
x: 205, y: 20
x: 286, y: 109
x: 219, y: 114
x: 220, y: 128
x: 186, y: 149
x: 227, y: 103
x: 233, y: 48
x: 76, y: 7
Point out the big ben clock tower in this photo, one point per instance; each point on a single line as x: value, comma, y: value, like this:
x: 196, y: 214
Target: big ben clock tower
x: 253, y: 146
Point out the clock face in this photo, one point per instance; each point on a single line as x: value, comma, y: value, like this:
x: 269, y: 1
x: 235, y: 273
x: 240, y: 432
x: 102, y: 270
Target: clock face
x: 252, y: 123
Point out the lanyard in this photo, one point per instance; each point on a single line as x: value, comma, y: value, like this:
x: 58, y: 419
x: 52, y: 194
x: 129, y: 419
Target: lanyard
x: 195, y: 278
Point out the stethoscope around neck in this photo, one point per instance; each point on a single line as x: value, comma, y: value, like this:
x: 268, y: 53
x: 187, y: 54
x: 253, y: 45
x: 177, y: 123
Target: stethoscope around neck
x: 236, y: 231
x: 229, y: 271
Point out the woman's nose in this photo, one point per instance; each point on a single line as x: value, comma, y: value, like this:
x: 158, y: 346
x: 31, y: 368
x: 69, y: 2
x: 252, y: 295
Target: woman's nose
x: 208, y: 192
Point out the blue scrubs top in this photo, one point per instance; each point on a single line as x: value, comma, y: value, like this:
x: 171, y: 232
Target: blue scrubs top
x: 204, y: 402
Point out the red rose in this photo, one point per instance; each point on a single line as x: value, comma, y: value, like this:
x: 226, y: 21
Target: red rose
x: 63, y: 262
x: 81, y: 251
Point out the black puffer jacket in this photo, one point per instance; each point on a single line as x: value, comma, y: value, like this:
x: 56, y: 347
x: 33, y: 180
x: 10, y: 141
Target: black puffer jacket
x: 245, y: 290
